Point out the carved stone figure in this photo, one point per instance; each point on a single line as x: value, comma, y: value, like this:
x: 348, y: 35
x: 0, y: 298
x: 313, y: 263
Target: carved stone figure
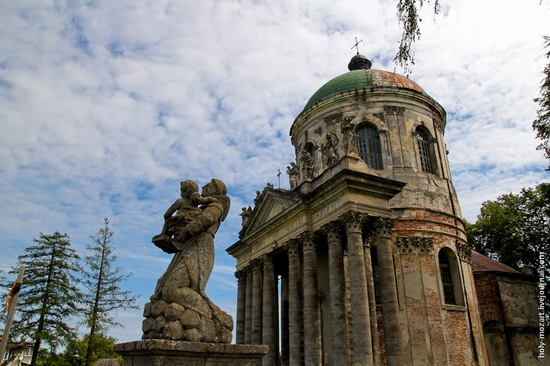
x: 350, y: 137
x: 179, y: 308
x: 245, y: 214
x: 307, y: 165
x: 330, y: 149
x: 293, y: 175
x: 186, y: 209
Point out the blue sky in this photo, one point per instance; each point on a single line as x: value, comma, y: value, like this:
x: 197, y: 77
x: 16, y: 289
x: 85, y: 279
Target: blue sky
x: 106, y: 105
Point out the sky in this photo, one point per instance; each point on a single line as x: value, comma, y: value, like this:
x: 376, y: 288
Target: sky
x: 105, y: 106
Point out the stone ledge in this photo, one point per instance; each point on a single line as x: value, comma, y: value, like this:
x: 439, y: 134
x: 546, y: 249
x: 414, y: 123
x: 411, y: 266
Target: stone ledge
x: 160, y: 352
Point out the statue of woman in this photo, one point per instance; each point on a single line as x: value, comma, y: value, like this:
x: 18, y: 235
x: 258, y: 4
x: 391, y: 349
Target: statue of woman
x: 181, y: 288
x: 193, y: 263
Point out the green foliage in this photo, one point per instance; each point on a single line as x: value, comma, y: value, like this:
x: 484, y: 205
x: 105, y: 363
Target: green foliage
x: 49, y: 295
x: 542, y: 123
x: 103, y: 348
x: 101, y: 281
x: 409, y: 19
x: 513, y: 229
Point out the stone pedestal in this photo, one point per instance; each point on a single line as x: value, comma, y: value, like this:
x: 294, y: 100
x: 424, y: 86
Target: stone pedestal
x: 160, y: 352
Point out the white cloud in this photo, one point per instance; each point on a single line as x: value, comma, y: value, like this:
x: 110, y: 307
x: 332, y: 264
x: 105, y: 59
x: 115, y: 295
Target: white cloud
x: 105, y: 106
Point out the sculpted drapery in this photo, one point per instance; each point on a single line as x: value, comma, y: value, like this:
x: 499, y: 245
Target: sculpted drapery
x: 179, y: 308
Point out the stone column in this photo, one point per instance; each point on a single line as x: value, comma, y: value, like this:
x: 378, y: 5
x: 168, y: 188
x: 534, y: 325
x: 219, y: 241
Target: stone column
x: 269, y: 306
x: 372, y: 302
x: 241, y: 301
x: 362, y: 342
x: 296, y: 332
x: 312, y: 323
x: 248, y: 307
x: 340, y: 342
x: 257, y: 302
x: 284, y: 320
x: 388, y: 292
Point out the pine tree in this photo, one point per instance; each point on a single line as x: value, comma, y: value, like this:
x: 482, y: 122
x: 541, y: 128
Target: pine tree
x: 49, y: 297
x: 102, y: 281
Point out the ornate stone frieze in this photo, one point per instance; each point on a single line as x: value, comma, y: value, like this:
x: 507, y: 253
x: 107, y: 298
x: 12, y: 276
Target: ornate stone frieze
x: 334, y: 118
x: 415, y: 245
x: 465, y: 252
x: 391, y: 109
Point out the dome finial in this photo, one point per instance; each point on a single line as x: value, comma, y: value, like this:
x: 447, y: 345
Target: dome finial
x: 359, y: 62
x: 356, y: 45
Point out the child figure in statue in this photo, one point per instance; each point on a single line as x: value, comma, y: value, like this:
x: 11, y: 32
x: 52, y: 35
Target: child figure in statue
x: 186, y: 209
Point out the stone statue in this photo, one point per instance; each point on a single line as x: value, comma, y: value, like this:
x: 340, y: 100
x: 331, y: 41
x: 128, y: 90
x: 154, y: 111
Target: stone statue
x: 350, y: 137
x: 293, y: 175
x: 245, y: 214
x: 307, y: 165
x: 179, y: 308
x: 329, y: 149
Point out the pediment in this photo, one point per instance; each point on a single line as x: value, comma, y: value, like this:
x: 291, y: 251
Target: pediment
x: 269, y: 205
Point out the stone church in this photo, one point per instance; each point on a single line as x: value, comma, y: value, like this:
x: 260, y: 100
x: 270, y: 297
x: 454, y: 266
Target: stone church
x: 364, y: 261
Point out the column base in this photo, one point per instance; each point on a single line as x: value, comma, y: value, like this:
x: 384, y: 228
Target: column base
x: 161, y: 352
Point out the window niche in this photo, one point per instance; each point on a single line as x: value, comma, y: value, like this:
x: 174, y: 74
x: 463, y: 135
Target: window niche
x: 425, y: 150
x: 369, y: 147
x: 449, y: 274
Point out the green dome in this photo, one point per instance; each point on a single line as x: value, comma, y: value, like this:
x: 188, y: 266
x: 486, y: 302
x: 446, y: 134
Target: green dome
x: 360, y: 79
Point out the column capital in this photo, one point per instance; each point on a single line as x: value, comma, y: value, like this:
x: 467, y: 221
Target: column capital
x: 248, y: 271
x: 368, y: 240
x: 332, y: 229
x: 257, y: 264
x: 382, y: 227
x: 464, y: 252
x: 267, y: 261
x: 241, y: 274
x: 308, y: 241
x: 353, y: 221
x: 293, y: 248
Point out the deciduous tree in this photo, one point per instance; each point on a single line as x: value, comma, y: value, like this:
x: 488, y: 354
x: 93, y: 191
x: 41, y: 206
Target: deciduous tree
x: 104, y: 296
x: 49, y: 297
x: 409, y: 20
x: 514, y: 229
x: 542, y: 123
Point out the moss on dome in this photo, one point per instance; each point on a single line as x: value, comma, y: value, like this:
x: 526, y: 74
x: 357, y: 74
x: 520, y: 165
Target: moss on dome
x: 359, y: 79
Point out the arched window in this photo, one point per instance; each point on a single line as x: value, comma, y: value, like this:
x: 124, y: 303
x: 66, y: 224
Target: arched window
x: 450, y: 277
x: 446, y: 278
x: 426, y: 163
x: 368, y: 147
